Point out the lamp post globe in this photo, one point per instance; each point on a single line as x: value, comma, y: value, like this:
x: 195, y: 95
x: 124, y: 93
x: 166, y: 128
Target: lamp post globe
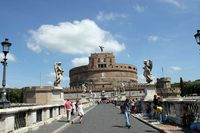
x: 197, y: 37
x: 4, y: 103
x: 5, y: 45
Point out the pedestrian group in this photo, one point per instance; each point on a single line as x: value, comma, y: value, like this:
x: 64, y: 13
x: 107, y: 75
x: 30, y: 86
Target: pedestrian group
x: 72, y: 107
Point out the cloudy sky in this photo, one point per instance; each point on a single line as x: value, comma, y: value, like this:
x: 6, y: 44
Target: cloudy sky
x: 43, y: 32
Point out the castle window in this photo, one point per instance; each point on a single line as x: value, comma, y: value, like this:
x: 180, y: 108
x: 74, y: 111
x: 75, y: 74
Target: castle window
x: 129, y: 67
x: 102, y: 66
x: 98, y: 59
x: 104, y: 59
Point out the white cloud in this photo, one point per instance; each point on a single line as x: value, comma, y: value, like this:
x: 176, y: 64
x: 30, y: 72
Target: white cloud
x: 78, y: 37
x: 50, y: 83
x: 10, y: 57
x: 33, y: 47
x: 102, y: 16
x: 174, y: 2
x: 139, y: 8
x: 175, y: 68
x: 152, y: 38
x: 80, y: 61
x: 52, y: 75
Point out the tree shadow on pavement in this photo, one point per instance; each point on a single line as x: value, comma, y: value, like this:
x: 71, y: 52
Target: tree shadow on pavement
x: 119, y: 126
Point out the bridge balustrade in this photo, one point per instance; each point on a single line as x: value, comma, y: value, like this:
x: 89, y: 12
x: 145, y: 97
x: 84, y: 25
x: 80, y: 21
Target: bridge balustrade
x: 22, y: 119
x: 182, y: 111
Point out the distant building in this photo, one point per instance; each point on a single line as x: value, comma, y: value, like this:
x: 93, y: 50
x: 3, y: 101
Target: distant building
x: 164, y: 89
x: 103, y: 74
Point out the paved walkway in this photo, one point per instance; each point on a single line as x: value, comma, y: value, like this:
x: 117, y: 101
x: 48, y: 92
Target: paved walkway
x: 106, y: 118
x: 163, y: 127
x: 57, y: 125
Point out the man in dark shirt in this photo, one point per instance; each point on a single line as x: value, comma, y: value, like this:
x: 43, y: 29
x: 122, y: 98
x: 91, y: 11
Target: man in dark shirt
x: 127, y: 110
x: 155, y: 102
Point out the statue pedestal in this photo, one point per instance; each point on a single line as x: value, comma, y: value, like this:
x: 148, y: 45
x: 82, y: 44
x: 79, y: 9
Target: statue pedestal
x: 57, y: 96
x: 84, y: 99
x: 150, y: 91
x: 123, y: 97
x: 43, y: 95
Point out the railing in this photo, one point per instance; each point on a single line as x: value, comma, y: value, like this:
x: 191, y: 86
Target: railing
x: 182, y: 111
x: 22, y: 119
x: 179, y: 110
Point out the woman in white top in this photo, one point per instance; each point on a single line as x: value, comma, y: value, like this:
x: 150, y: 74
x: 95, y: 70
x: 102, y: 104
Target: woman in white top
x: 80, y: 111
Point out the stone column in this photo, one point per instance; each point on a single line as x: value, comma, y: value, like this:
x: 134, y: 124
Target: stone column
x: 7, y: 122
x: 178, y: 108
x: 46, y: 113
x: 30, y: 118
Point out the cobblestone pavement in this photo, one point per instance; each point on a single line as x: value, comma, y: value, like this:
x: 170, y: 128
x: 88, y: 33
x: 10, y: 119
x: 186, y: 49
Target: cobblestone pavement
x: 106, y: 118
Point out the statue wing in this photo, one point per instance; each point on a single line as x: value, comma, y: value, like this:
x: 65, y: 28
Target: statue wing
x: 150, y: 64
x: 55, y: 68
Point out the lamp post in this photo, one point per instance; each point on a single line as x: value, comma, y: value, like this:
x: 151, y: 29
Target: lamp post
x: 4, y: 103
x: 197, y: 37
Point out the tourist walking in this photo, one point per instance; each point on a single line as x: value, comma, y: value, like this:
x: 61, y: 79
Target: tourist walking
x: 127, y: 110
x: 68, y: 107
x: 80, y: 111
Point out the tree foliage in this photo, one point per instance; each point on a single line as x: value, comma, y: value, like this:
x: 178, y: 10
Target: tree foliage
x: 15, y: 95
x: 188, y: 88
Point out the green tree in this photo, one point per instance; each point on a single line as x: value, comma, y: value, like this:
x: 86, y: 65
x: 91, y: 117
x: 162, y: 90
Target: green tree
x: 15, y: 95
x: 191, y: 88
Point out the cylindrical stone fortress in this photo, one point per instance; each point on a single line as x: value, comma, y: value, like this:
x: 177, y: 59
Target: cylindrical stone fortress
x: 102, y: 71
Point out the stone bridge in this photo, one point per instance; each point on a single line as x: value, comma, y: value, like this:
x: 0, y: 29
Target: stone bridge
x: 102, y: 118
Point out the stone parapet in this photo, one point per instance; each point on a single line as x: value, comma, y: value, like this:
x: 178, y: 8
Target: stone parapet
x: 180, y: 110
x: 22, y: 119
x: 43, y: 95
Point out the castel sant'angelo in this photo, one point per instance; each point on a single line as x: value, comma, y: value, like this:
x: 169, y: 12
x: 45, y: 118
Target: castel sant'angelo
x: 104, y: 74
x: 101, y: 78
